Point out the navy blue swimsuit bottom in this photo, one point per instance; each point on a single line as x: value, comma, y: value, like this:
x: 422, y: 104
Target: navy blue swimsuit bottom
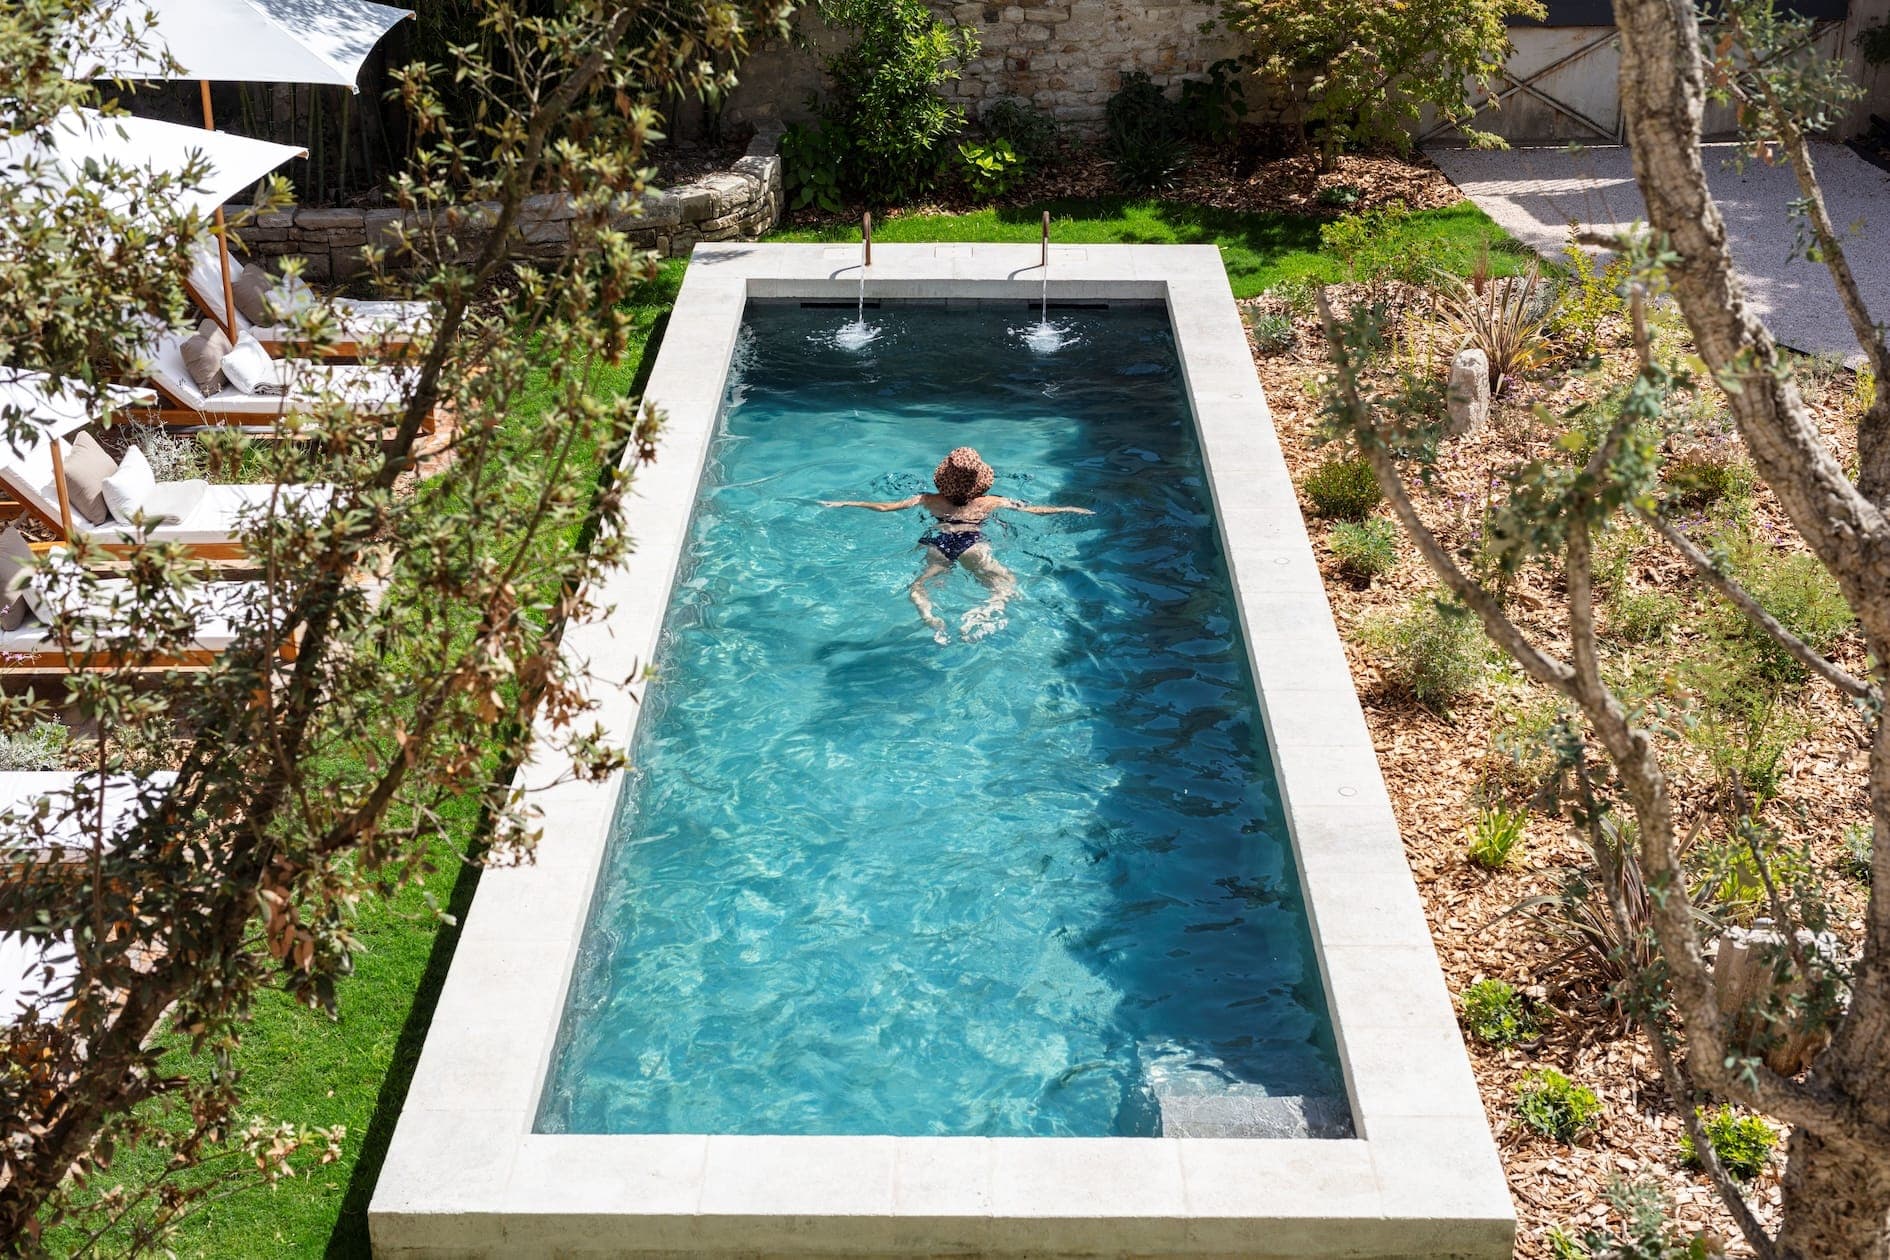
x: 953, y: 544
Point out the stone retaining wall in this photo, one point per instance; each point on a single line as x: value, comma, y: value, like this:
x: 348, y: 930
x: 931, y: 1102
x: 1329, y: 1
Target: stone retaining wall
x: 1064, y: 56
x: 739, y: 203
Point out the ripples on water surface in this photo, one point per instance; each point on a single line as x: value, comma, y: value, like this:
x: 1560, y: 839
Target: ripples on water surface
x: 865, y: 884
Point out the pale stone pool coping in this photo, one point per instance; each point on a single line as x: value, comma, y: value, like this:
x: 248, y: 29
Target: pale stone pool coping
x: 465, y: 1176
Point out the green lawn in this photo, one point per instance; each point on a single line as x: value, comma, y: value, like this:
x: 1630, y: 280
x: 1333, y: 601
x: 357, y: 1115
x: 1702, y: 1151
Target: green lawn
x: 300, y: 1066
x: 354, y: 1071
x: 1259, y: 250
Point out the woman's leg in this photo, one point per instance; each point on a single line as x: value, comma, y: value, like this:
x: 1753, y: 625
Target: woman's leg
x: 1000, y: 581
x: 936, y: 566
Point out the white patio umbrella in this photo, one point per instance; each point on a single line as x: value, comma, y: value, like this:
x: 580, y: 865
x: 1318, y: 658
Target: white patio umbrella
x: 81, y: 136
x: 255, y: 41
x: 54, y: 413
x: 250, y: 41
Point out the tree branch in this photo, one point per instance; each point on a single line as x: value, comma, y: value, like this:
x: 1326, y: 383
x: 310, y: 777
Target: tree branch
x: 1740, y: 598
x: 1541, y: 666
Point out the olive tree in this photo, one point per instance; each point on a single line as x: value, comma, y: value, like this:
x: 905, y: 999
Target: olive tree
x: 395, y: 640
x: 1362, y: 72
x: 1556, y: 511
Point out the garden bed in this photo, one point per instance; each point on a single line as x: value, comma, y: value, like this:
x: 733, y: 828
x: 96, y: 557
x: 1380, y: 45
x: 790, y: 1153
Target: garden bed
x: 1443, y: 767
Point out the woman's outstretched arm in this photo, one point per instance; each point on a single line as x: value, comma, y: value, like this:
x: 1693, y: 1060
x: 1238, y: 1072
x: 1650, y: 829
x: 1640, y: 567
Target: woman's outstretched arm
x: 875, y: 507
x: 1014, y: 505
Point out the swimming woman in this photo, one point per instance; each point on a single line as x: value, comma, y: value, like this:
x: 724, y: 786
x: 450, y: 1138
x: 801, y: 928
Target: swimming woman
x: 961, y: 507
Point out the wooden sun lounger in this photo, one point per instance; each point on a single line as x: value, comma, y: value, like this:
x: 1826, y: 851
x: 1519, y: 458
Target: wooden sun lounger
x: 369, y: 390
x: 66, y: 835
x: 209, y: 530
x: 33, y: 650
x: 366, y: 326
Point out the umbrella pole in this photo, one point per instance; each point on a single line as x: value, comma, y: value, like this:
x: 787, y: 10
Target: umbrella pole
x: 59, y: 483
x: 223, y: 233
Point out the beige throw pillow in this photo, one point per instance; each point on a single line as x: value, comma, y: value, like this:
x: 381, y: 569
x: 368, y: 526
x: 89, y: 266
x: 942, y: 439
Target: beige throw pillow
x: 87, y: 469
x: 203, y: 357
x: 252, y: 292
x: 15, y: 558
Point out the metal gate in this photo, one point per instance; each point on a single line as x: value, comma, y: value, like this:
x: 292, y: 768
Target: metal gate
x: 1560, y: 83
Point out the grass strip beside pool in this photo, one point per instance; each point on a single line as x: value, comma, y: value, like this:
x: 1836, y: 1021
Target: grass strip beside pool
x: 302, y: 1067
x: 1259, y: 250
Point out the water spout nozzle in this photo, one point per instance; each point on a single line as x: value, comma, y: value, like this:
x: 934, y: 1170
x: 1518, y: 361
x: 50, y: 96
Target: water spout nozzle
x: 866, y: 238
x: 1045, y: 261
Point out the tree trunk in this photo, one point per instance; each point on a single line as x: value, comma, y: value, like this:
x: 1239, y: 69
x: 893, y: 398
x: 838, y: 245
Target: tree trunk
x: 1831, y: 1212
x: 1836, y: 1192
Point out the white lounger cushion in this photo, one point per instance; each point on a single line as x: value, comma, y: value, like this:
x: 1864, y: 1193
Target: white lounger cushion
x: 361, y: 387
x: 22, y: 791
x: 221, y: 513
x: 355, y: 319
x: 218, y: 515
x: 214, y: 605
x: 33, y: 969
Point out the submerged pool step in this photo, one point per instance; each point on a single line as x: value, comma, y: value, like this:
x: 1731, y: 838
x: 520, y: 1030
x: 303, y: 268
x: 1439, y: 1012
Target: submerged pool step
x: 1247, y: 1111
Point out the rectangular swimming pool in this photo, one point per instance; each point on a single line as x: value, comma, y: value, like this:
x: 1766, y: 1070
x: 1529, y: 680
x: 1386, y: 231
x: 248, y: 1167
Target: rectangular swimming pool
x: 1033, y: 882
x: 892, y: 948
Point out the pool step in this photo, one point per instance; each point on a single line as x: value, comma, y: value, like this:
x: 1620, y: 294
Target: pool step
x: 1246, y: 1111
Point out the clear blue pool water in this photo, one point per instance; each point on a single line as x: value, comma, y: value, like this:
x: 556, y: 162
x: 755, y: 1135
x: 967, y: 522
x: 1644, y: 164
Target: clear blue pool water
x: 865, y: 884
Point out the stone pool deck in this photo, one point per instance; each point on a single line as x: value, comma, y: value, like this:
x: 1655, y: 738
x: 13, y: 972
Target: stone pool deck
x: 466, y: 1175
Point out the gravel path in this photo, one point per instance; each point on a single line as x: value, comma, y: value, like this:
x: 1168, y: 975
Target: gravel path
x: 1535, y: 193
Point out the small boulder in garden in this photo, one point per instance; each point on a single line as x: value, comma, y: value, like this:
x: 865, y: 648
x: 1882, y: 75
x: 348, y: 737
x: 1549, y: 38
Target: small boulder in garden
x: 1468, y: 397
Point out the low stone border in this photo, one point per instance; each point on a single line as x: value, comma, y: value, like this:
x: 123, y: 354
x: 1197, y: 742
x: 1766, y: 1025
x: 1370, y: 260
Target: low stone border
x: 737, y: 204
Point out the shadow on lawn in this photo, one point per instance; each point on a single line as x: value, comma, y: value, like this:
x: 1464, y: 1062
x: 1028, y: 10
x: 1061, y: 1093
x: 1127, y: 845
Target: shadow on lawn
x: 349, y: 1239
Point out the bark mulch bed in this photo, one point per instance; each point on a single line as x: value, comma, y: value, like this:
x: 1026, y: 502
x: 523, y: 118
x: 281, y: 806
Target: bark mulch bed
x: 1222, y: 179
x: 1440, y: 768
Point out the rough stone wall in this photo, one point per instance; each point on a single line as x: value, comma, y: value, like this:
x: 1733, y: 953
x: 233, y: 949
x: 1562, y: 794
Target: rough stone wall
x: 1068, y: 57
x: 742, y: 202
x: 1065, y: 56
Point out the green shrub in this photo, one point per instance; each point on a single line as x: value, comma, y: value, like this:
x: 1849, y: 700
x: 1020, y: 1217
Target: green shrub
x: 1496, y: 1014
x: 1297, y: 296
x: 1364, y: 549
x: 813, y: 160
x: 884, y: 102
x: 1501, y: 317
x: 1144, y: 135
x: 1032, y: 134
x: 1638, y: 615
x: 1566, y: 1246
x: 1585, y: 298
x: 1648, y: 1234
x: 172, y: 456
x: 1495, y: 835
x: 1743, y: 1143
x: 1801, y: 593
x: 989, y: 167
x: 1701, y: 477
x: 1272, y: 330
x: 41, y: 746
x: 1746, y: 737
x: 1376, y: 246
x: 1362, y: 71
x: 1557, y: 1107
x: 1340, y: 196
x: 1857, y: 852
x: 1210, y: 109
x: 1522, y: 745
x: 1346, y: 489
x: 1729, y: 874
x: 1436, y: 652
